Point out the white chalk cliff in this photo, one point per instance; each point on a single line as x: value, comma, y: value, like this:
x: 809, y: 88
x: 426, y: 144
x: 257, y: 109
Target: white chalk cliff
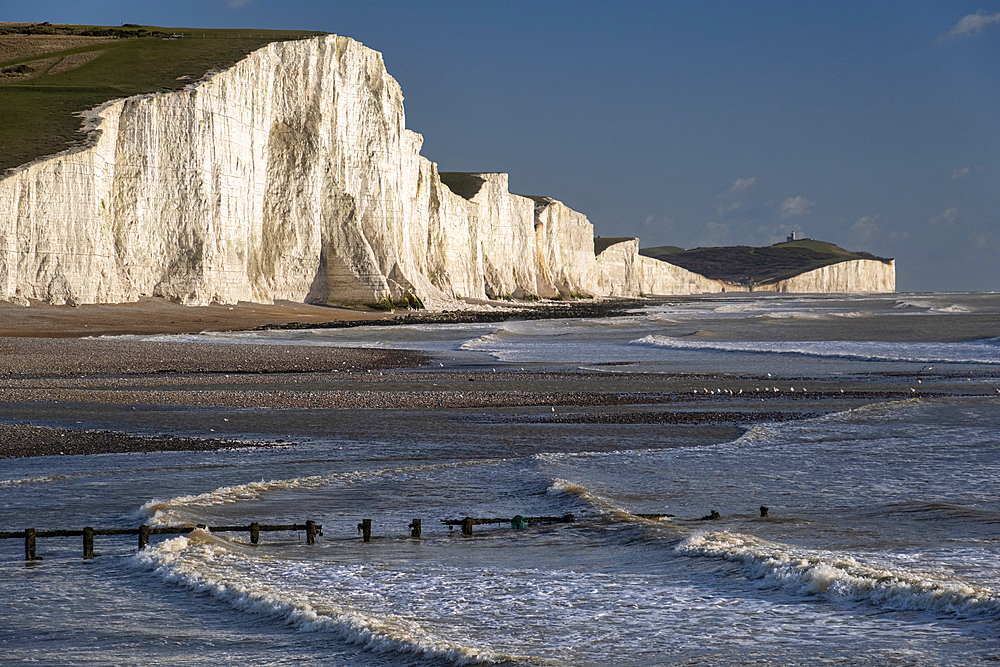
x: 292, y: 176
x: 856, y: 275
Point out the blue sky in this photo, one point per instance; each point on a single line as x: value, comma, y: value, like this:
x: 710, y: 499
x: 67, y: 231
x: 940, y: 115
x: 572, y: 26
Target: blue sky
x: 872, y: 125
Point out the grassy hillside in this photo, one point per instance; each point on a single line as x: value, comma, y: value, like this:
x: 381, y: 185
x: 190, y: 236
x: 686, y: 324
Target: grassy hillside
x: 741, y: 264
x: 40, y: 113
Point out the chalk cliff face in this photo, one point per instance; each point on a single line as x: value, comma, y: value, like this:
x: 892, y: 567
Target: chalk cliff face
x: 292, y: 176
x: 858, y: 275
x: 622, y: 271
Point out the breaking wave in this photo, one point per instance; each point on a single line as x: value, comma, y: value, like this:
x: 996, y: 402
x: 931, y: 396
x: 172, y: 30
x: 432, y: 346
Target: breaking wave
x: 44, y: 479
x: 843, y: 578
x: 169, y: 512
x: 202, y: 563
x: 975, y: 352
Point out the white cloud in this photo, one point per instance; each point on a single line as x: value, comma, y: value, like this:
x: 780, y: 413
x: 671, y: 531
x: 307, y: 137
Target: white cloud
x: 726, y: 210
x: 984, y: 240
x: 971, y: 24
x: 795, y: 206
x: 945, y: 218
x: 959, y: 173
x: 741, y: 184
x: 865, y: 229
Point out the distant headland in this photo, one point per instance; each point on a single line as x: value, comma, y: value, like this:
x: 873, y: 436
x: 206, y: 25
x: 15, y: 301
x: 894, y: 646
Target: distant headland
x: 759, y: 268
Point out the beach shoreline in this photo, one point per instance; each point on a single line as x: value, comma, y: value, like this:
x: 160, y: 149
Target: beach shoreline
x: 63, y: 366
x: 153, y: 315
x: 51, y: 344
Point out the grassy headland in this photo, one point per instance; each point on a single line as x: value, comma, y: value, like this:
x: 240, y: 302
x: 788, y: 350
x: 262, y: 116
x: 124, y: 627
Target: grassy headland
x: 42, y: 92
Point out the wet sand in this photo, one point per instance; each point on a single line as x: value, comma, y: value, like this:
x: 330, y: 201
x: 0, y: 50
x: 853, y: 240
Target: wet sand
x: 159, y: 316
x: 161, y: 388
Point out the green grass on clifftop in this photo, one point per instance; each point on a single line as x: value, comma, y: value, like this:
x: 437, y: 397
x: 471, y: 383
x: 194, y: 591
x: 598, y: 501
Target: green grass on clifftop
x: 40, y: 115
x: 743, y: 264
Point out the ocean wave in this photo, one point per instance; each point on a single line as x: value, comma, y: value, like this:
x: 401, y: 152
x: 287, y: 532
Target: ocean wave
x: 854, y: 314
x: 976, y: 352
x: 202, y: 563
x: 43, y: 479
x: 930, y: 306
x: 604, y: 506
x: 794, y: 315
x: 739, y: 308
x: 844, y: 578
x: 913, y: 304
x: 169, y: 512
x: 592, y: 500
x: 491, y: 343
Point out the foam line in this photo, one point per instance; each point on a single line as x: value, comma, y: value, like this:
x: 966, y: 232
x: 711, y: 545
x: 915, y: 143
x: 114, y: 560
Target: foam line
x: 844, y: 578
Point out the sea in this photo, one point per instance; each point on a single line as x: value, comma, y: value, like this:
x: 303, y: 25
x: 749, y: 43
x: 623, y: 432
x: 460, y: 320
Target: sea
x: 881, y: 544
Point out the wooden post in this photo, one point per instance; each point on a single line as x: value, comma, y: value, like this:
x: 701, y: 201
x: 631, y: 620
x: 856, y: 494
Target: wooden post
x: 763, y: 510
x: 467, y: 525
x: 88, y: 543
x: 29, y: 544
x: 366, y: 530
x: 310, y: 532
x: 143, y: 536
x: 414, y: 528
x: 255, y: 533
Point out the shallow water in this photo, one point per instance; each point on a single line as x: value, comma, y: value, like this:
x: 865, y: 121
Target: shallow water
x: 880, y: 545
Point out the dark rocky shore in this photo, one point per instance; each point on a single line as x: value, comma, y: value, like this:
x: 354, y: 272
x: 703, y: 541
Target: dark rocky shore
x: 548, y: 310
x: 18, y: 440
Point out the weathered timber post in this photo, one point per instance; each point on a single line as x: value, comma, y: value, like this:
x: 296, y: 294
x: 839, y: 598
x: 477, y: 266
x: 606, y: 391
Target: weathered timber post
x: 88, y: 543
x: 255, y: 533
x: 143, y: 536
x: 763, y: 510
x: 414, y: 528
x: 29, y: 544
x: 366, y: 530
x: 467, y: 525
x: 311, y: 532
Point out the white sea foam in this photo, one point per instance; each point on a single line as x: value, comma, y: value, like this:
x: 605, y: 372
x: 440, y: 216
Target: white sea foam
x: 43, y: 479
x: 854, y: 314
x: 490, y: 343
x: 914, y: 303
x: 202, y: 563
x: 168, y: 512
x: 794, y: 315
x: 591, y: 499
x: 975, y: 352
x: 845, y: 578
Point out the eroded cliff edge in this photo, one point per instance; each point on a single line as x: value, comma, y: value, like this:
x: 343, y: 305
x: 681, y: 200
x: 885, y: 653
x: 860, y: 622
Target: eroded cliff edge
x: 291, y: 176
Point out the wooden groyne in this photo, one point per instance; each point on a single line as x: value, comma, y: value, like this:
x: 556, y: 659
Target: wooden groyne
x: 517, y: 522
x: 311, y: 528
x: 30, y: 535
